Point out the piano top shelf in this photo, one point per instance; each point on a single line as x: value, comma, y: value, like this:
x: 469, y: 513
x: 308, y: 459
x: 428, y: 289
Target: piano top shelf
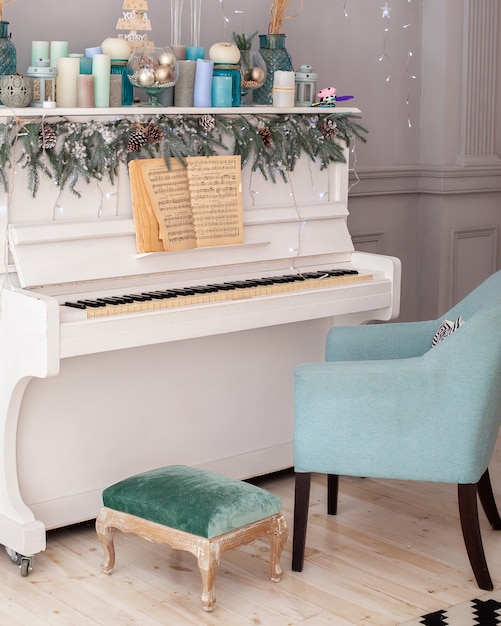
x: 34, y: 112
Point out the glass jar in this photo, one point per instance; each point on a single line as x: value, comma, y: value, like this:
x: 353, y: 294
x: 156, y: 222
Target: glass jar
x: 8, y: 58
x: 276, y: 57
x: 232, y: 70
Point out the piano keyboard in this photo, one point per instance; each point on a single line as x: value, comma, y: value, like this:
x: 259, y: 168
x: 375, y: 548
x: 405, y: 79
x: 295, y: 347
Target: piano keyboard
x: 216, y: 292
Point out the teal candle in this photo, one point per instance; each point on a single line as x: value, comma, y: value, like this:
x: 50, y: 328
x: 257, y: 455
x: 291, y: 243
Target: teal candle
x: 85, y: 65
x: 221, y: 91
x: 194, y: 52
x: 101, y: 70
x: 39, y: 50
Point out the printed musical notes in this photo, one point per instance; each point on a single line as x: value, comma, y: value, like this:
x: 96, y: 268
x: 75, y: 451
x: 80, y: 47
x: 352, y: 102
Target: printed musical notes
x: 186, y: 207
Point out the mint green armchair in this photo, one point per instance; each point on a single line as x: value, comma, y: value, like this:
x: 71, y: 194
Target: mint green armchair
x: 386, y: 404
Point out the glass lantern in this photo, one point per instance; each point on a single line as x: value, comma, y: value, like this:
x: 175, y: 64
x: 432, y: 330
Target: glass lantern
x: 45, y: 82
x: 306, y: 86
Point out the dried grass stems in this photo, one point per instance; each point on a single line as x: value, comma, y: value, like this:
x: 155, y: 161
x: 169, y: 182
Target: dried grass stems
x: 277, y: 11
x: 3, y: 4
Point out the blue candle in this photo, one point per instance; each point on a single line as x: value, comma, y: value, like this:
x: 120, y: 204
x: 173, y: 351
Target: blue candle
x: 203, y: 83
x: 221, y: 91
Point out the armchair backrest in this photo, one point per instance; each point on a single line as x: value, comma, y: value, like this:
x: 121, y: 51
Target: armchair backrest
x: 485, y: 294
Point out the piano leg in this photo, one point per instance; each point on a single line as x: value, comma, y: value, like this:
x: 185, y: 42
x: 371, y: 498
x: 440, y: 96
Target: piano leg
x: 29, y: 340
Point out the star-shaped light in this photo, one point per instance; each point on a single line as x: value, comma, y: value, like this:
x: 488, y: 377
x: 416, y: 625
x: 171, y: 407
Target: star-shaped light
x: 386, y: 11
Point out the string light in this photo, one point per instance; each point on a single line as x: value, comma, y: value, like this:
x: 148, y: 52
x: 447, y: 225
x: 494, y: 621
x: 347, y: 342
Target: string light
x: 408, y: 69
x: 386, y: 10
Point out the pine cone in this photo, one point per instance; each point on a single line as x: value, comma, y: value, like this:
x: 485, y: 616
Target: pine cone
x: 47, y: 137
x: 207, y: 122
x: 154, y: 134
x: 137, y: 139
x: 265, y: 134
x: 328, y: 128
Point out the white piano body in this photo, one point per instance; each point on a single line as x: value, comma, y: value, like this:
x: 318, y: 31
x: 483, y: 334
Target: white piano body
x: 86, y: 402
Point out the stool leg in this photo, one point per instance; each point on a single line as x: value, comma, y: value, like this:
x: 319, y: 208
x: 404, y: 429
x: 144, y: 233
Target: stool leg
x: 208, y: 564
x: 278, y: 537
x: 106, y: 534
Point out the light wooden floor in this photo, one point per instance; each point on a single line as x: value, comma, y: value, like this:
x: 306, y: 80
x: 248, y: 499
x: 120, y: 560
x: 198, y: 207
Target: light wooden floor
x: 394, y: 551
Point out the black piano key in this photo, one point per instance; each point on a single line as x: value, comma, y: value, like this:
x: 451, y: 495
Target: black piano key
x: 139, y: 297
x: 76, y: 305
x: 92, y: 303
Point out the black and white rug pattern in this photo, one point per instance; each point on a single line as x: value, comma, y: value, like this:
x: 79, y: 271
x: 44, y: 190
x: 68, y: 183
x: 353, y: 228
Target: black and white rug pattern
x: 483, y: 611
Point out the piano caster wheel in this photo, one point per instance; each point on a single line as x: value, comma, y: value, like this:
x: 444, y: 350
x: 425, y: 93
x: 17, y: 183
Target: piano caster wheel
x: 25, y: 562
x: 26, y: 565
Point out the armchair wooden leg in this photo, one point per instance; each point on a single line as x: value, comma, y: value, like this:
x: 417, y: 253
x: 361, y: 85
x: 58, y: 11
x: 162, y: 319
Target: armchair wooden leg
x: 487, y: 500
x: 301, y: 503
x: 332, y: 493
x: 468, y: 513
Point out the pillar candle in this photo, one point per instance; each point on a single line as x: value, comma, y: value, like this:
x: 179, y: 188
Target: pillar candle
x: 57, y: 49
x: 202, y: 96
x: 185, y: 85
x: 283, y: 89
x: 66, y: 82
x: 90, y: 52
x: 39, y: 50
x: 101, y: 70
x: 221, y: 91
x: 194, y: 52
x: 179, y: 51
x: 116, y: 90
x: 85, y: 90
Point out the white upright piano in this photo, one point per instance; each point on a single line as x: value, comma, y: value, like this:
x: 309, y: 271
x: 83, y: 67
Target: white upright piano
x: 86, y: 401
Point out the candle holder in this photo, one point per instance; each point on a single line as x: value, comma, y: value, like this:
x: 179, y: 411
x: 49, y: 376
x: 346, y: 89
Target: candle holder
x: 306, y: 86
x: 44, y: 82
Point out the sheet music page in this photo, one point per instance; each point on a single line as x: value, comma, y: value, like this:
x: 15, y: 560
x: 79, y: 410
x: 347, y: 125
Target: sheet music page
x: 146, y: 223
x: 170, y: 195
x: 181, y: 207
x: 215, y: 185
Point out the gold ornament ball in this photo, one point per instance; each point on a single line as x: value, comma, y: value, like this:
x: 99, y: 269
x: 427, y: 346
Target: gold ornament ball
x: 146, y: 77
x: 257, y: 74
x: 163, y: 74
x: 167, y: 58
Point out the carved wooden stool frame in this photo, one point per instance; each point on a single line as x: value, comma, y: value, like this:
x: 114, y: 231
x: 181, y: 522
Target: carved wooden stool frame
x: 206, y: 551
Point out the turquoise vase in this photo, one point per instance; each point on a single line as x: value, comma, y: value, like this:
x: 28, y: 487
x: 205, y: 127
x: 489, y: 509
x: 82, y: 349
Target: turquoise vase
x: 8, y: 59
x: 276, y: 57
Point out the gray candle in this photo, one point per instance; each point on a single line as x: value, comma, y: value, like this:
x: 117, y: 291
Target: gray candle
x: 185, y: 85
x: 115, y: 90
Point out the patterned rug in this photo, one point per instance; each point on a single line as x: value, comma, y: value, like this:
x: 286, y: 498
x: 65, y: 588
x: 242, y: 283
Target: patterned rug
x: 483, y: 611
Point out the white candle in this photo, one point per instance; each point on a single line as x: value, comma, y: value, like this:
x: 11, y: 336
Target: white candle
x: 85, y: 90
x: 283, y: 89
x: 57, y: 49
x: 66, y: 82
x: 39, y: 50
x: 101, y: 70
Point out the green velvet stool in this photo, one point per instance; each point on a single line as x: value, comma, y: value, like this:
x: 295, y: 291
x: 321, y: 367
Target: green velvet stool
x: 194, y: 510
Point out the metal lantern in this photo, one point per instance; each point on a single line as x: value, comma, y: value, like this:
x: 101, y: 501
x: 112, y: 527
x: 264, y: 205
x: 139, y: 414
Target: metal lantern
x: 45, y: 82
x: 306, y: 86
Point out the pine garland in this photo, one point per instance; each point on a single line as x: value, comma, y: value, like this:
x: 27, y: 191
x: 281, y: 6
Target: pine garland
x: 94, y: 150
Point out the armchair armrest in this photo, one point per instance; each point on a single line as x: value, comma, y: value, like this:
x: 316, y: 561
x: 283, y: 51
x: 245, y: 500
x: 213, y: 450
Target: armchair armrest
x: 379, y: 341
x: 400, y: 418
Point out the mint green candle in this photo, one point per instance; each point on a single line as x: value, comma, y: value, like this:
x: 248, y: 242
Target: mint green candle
x: 101, y: 70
